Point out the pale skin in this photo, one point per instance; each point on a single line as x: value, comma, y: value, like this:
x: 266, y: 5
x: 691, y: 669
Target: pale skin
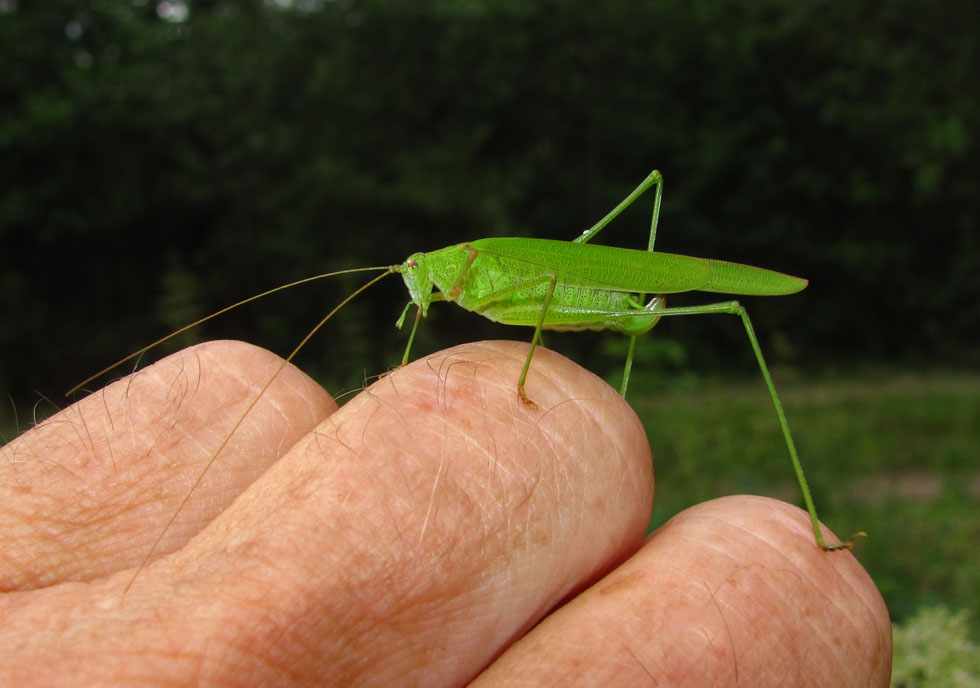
x: 417, y: 536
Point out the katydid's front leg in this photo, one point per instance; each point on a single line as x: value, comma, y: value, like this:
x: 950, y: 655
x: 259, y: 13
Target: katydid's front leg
x: 454, y: 291
x: 411, y: 337
x: 415, y: 326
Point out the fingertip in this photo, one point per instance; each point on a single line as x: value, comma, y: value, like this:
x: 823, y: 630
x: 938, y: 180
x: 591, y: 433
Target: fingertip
x: 767, y: 526
x: 762, y: 530
x: 238, y: 361
x: 837, y: 596
x: 582, y: 413
x: 113, y: 468
x: 730, y: 591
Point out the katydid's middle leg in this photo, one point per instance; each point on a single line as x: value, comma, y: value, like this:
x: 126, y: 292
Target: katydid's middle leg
x: 656, y: 303
x: 552, y: 282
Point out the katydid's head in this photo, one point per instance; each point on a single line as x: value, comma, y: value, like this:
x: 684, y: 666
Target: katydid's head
x: 418, y: 279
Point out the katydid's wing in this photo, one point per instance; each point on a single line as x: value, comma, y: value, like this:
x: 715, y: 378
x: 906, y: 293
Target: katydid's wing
x: 735, y: 278
x: 604, y: 267
x: 630, y: 270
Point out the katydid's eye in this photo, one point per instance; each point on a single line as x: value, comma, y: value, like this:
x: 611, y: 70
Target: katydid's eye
x: 413, y: 264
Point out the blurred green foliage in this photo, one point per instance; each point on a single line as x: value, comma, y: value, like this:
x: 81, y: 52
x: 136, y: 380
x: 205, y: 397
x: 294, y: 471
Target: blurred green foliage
x: 160, y: 160
x: 894, y: 455
x: 934, y: 649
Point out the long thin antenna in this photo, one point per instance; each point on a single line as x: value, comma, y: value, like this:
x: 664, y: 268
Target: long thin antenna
x: 224, y: 310
x: 241, y: 419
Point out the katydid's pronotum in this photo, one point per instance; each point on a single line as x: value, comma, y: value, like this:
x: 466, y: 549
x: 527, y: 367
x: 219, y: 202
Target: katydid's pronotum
x: 559, y: 285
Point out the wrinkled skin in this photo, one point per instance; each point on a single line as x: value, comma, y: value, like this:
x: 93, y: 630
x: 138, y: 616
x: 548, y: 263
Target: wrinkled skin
x: 433, y: 532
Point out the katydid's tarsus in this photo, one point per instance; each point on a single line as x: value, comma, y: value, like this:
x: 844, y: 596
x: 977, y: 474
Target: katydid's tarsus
x: 560, y: 285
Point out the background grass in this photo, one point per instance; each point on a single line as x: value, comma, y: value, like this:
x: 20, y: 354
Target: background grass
x: 890, y: 452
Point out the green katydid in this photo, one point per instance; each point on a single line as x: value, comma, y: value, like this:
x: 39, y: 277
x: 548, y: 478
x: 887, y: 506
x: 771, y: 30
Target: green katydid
x: 560, y: 285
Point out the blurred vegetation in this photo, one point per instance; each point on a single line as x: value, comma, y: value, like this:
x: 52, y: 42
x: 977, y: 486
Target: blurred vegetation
x: 160, y: 159
x: 934, y: 649
x: 894, y: 455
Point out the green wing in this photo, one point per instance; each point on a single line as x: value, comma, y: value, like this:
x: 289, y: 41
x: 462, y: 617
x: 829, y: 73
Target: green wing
x: 630, y: 270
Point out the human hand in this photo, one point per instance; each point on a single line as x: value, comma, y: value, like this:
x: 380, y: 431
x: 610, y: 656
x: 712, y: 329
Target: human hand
x: 417, y: 536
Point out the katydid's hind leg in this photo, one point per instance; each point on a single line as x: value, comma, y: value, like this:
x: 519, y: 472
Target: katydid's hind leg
x: 655, y: 218
x: 790, y: 445
x: 734, y: 308
x: 653, y: 179
x: 552, y: 282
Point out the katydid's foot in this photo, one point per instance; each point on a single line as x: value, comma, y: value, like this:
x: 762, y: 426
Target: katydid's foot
x: 527, y: 402
x: 391, y: 371
x: 847, y: 544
